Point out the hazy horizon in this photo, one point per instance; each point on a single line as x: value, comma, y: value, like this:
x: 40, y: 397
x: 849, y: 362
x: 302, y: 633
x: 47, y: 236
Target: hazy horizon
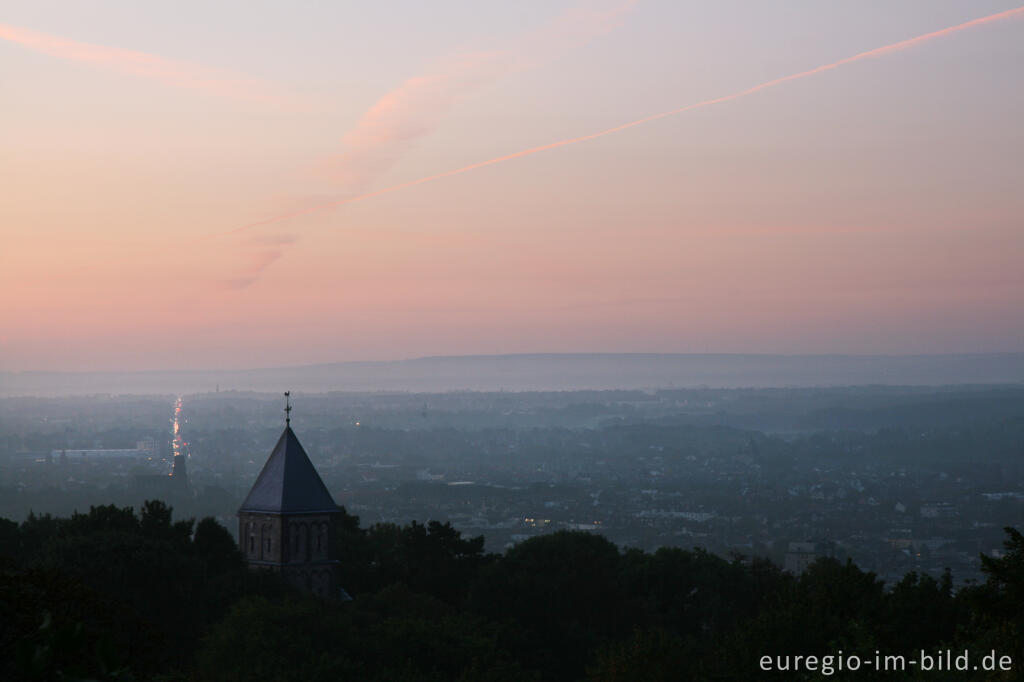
x: 543, y: 372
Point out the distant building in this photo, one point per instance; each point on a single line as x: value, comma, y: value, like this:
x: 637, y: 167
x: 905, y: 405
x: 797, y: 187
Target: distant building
x: 287, y: 522
x: 939, y: 510
x: 100, y: 454
x: 178, y: 470
x: 803, y: 554
x: 996, y: 497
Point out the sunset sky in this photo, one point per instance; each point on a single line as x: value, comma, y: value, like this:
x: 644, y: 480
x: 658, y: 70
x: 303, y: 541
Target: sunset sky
x: 174, y: 180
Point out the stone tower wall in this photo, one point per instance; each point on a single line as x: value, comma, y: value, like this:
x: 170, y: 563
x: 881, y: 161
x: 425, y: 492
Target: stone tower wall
x: 261, y: 537
x: 296, y: 545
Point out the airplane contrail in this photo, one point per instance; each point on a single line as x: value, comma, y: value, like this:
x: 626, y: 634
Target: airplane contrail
x: 877, y: 52
x: 413, y: 110
x: 173, y: 72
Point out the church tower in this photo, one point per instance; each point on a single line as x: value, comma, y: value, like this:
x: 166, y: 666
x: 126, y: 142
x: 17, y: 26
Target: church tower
x: 287, y: 521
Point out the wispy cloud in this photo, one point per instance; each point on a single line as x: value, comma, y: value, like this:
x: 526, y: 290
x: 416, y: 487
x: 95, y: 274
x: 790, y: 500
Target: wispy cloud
x: 180, y: 74
x: 572, y: 29
x: 256, y: 254
x: 870, y: 54
x: 393, y: 125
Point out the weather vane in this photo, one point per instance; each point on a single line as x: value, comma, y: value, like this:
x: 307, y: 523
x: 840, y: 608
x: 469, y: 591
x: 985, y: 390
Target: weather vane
x: 287, y: 408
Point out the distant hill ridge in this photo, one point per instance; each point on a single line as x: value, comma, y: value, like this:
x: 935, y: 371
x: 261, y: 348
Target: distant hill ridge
x: 546, y: 371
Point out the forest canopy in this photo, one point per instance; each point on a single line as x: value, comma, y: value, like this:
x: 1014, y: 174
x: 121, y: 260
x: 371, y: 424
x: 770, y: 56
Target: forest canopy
x: 119, y: 593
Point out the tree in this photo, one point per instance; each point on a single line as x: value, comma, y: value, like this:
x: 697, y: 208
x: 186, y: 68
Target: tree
x: 563, y: 595
x: 997, y: 606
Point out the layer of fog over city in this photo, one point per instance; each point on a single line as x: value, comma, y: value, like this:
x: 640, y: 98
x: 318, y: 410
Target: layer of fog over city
x: 898, y: 463
x: 545, y: 372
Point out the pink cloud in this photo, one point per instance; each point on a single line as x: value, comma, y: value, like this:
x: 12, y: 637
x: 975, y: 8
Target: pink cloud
x: 870, y: 54
x: 396, y: 121
x: 179, y: 74
x: 256, y: 254
x: 393, y: 125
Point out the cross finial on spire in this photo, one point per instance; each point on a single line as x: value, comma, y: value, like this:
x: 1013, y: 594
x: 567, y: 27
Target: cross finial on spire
x: 287, y: 408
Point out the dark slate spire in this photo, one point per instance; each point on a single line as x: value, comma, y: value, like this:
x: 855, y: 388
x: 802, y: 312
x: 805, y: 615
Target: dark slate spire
x: 288, y: 482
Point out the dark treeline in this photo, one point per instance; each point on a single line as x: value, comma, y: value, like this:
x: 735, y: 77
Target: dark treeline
x: 115, y: 594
